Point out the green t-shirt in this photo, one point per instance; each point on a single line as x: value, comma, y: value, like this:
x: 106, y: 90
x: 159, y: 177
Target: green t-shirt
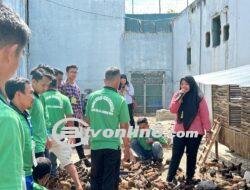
x: 11, y: 149
x: 27, y: 153
x: 2, y: 97
x: 146, y: 146
x: 106, y: 109
x: 38, y: 124
x: 58, y: 107
x: 38, y: 187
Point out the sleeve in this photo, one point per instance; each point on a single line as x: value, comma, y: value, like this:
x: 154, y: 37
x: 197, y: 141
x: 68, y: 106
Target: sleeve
x: 124, y: 114
x: 46, y: 112
x: 87, y: 111
x: 204, y: 115
x: 67, y: 107
x: 131, y: 90
x: 175, y: 104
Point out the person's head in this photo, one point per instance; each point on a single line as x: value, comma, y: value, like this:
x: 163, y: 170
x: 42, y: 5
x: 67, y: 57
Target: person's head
x: 71, y: 71
x: 47, y: 69
x: 40, y: 80
x: 188, y: 84
x: 41, y: 172
x: 112, y: 77
x: 14, y: 34
x: 124, y: 79
x: 143, y: 123
x: 20, y: 92
x: 59, y: 76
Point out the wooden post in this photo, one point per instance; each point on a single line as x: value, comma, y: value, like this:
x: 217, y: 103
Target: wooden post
x: 132, y: 6
x: 160, y: 6
x: 216, y: 150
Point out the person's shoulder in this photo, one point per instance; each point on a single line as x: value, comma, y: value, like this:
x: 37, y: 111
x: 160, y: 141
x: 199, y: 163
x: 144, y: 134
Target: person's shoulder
x: 64, y: 97
x: 8, y: 115
x: 45, y: 94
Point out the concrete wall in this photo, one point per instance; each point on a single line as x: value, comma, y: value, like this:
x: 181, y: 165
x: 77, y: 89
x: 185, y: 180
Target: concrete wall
x: 62, y: 36
x: 189, y: 30
x: 149, y: 52
x: 19, y: 6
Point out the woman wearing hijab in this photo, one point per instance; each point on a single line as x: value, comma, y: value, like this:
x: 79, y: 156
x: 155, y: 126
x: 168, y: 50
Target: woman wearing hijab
x: 126, y: 89
x: 192, y: 113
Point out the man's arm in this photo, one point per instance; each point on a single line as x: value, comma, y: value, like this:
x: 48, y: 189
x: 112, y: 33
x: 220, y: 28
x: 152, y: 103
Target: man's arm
x: 126, y: 142
x: 125, y: 139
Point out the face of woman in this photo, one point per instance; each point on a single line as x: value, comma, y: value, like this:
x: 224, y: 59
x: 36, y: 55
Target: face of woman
x: 185, y: 86
x: 123, y: 81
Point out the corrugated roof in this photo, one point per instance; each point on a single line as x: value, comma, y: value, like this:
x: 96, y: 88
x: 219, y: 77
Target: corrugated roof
x: 151, y: 23
x: 238, y: 76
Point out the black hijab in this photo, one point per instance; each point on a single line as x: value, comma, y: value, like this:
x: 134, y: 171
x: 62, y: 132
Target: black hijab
x: 123, y: 76
x: 190, y: 103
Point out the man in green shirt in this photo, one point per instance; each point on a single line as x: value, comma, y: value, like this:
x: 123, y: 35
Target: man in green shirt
x: 106, y: 109
x: 20, y: 94
x: 59, y: 107
x: 40, y: 83
x: 149, y: 147
x: 14, y: 34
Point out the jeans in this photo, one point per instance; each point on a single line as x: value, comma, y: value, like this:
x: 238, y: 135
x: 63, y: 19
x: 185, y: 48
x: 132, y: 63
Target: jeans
x: 29, y: 182
x: 131, y: 114
x: 156, y: 153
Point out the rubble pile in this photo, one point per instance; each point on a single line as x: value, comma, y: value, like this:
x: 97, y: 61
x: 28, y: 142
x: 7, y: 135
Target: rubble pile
x: 141, y: 175
x: 65, y: 182
x: 147, y: 175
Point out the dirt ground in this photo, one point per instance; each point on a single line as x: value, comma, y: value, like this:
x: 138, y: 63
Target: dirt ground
x: 165, y: 127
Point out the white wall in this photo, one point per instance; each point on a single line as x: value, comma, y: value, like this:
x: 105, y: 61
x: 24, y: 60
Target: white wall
x: 19, y: 6
x: 62, y: 36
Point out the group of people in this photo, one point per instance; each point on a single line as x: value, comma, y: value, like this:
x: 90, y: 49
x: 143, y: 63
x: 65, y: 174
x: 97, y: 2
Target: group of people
x: 30, y: 109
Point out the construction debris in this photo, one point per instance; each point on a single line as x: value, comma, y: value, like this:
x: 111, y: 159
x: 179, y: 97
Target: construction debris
x: 163, y: 114
x: 147, y: 175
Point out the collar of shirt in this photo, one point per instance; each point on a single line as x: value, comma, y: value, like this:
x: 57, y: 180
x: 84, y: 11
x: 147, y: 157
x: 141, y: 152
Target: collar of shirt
x: 36, y: 94
x: 68, y: 83
x: 25, y: 114
x: 110, y: 88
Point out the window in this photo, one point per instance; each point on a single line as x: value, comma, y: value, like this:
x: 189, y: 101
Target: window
x: 189, y: 56
x: 226, y: 32
x: 207, y: 39
x: 216, y: 31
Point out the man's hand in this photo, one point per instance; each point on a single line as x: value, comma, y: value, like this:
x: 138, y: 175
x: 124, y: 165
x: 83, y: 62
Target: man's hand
x: 49, y: 143
x: 150, y: 141
x: 72, y: 141
x: 126, y: 152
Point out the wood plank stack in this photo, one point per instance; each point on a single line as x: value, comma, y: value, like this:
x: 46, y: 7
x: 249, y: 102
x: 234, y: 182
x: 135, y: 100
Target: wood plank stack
x: 245, y: 112
x: 234, y: 106
x: 220, y: 98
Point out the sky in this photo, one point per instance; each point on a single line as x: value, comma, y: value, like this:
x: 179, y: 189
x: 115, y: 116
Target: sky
x: 152, y: 6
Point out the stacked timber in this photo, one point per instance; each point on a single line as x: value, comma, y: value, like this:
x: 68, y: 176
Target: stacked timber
x: 245, y: 112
